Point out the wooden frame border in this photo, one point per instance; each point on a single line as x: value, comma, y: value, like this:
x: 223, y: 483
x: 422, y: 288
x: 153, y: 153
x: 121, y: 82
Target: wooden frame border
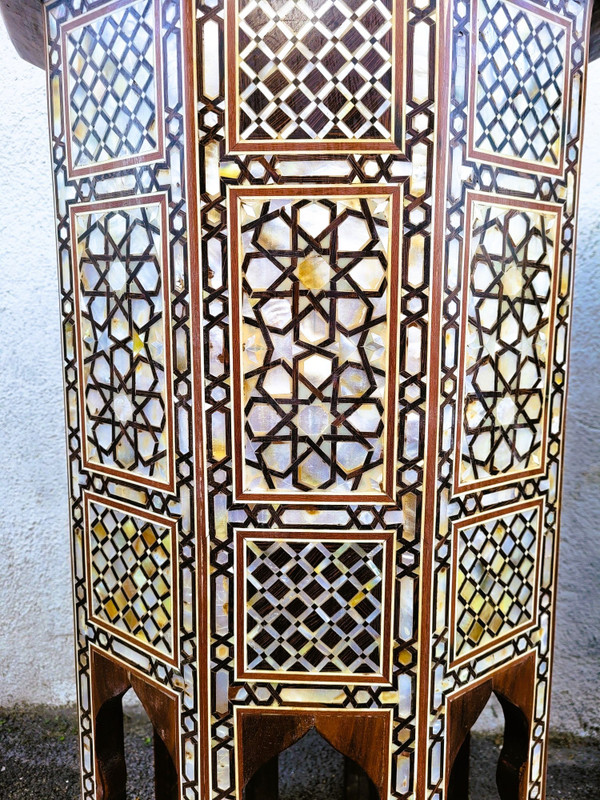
x: 474, y: 153
x: 395, y: 144
x: 390, y: 417
x: 387, y: 538
x: 118, y: 204
x: 112, y: 165
x: 509, y: 203
x: 469, y: 522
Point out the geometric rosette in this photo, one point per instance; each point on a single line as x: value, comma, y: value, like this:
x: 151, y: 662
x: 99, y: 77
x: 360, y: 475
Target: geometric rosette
x: 122, y: 317
x: 507, y: 335
x: 315, y: 279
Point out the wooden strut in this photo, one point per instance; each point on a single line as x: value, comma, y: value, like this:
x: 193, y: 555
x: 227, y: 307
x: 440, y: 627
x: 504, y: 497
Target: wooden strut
x: 110, y: 681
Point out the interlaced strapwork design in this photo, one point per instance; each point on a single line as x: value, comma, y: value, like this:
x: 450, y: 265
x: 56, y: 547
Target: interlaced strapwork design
x: 314, y: 332
x: 509, y: 309
x: 315, y: 69
x: 314, y: 606
x: 520, y: 82
x: 122, y: 319
x: 112, y: 86
x: 130, y: 575
x: 496, y: 579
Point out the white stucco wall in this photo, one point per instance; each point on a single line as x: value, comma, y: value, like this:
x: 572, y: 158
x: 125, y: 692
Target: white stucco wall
x: 36, y: 660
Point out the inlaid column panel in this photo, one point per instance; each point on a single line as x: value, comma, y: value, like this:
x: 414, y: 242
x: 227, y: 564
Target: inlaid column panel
x: 120, y: 137
x: 316, y: 125
x: 508, y: 192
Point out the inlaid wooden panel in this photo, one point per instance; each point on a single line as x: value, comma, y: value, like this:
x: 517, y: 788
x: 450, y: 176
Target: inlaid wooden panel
x: 314, y: 312
x: 309, y: 75
x: 314, y: 606
x: 123, y: 321
x: 510, y: 276
x: 113, y: 92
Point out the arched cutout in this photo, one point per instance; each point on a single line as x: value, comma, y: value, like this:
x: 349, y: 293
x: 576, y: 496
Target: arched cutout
x: 361, y: 737
x: 110, y: 682
x: 308, y: 763
x: 514, y: 688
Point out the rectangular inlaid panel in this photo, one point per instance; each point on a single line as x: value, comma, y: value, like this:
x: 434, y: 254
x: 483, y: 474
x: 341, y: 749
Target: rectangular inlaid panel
x: 122, y: 305
x: 112, y: 93
x: 315, y: 75
x: 519, y: 85
x: 132, y: 574
x: 314, y: 606
x: 508, y: 324
x: 495, y: 577
x: 314, y: 285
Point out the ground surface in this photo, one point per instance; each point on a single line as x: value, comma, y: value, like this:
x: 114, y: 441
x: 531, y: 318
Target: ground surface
x: 39, y: 759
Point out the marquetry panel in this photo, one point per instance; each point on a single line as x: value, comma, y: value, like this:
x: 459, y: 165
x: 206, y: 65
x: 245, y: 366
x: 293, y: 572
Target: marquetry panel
x: 495, y: 577
x: 122, y: 302
x: 314, y: 606
x: 508, y: 322
x: 131, y: 574
x: 112, y: 86
x: 314, y: 314
x: 519, y: 82
x: 315, y: 73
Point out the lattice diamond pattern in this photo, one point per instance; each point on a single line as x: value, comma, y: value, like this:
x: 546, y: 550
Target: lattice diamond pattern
x: 315, y: 342
x: 520, y: 83
x: 112, y: 86
x: 130, y: 575
x: 314, y: 606
x: 507, y: 335
x: 495, y: 583
x: 122, y: 318
x: 315, y: 69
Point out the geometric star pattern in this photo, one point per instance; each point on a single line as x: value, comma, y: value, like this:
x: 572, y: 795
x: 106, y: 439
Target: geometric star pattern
x: 315, y: 69
x: 314, y: 606
x: 510, y: 279
x: 521, y: 60
x: 495, y: 580
x: 130, y: 575
x: 112, y: 86
x: 122, y: 317
x: 314, y: 335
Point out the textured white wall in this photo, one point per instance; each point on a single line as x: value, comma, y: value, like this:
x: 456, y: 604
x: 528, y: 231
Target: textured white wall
x: 36, y: 661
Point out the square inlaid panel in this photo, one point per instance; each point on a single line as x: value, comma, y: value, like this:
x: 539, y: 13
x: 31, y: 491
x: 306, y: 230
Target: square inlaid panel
x: 122, y: 312
x: 519, y: 85
x: 315, y: 75
x: 495, y: 577
x: 314, y: 287
x: 314, y: 606
x: 132, y: 574
x: 112, y: 93
x: 508, y: 315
